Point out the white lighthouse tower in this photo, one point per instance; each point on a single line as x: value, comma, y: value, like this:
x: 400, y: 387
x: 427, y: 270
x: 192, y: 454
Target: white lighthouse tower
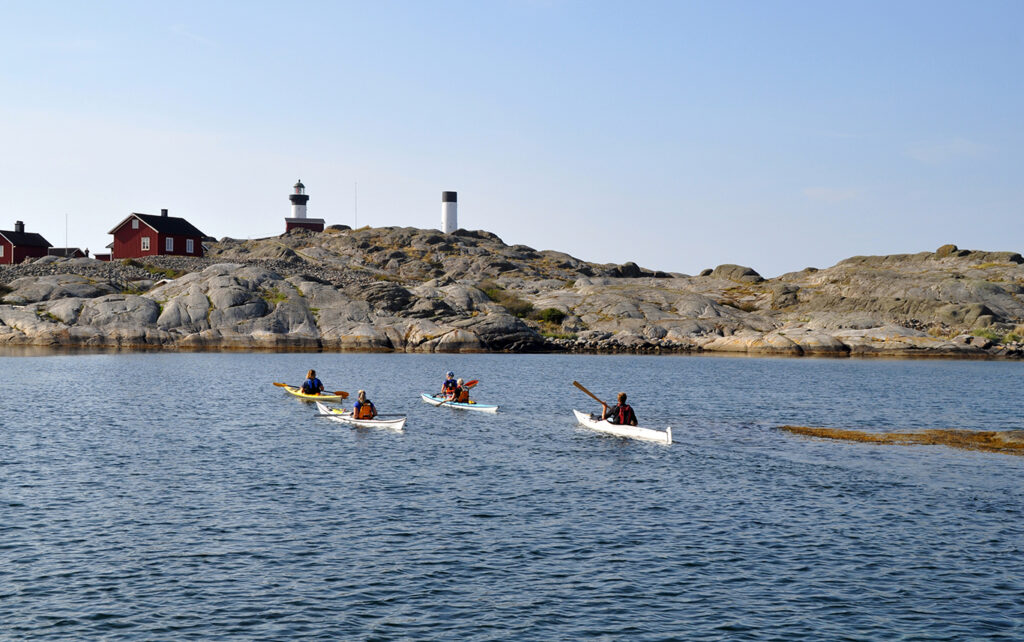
x: 298, y: 217
x: 449, y: 212
x: 298, y: 200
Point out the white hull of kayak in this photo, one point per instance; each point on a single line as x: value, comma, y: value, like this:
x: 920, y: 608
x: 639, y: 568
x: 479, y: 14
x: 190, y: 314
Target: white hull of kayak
x: 633, y: 432
x: 479, y: 407
x: 347, y: 419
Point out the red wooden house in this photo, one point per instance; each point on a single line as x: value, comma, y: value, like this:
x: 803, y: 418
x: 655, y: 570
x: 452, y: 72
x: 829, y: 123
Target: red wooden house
x: 19, y: 245
x: 150, y: 235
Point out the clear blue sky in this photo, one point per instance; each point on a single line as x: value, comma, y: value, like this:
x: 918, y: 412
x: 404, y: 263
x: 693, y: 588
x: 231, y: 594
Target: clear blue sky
x: 679, y: 135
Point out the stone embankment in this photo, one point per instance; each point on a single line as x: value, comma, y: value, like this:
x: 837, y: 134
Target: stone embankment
x: 405, y: 289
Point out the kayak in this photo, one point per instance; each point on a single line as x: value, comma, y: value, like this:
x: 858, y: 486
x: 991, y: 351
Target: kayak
x: 301, y: 395
x: 633, y: 432
x: 345, y: 417
x: 434, y: 400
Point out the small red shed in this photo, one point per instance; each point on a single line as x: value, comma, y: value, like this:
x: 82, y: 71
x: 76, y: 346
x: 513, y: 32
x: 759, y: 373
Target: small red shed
x: 150, y: 235
x: 19, y: 245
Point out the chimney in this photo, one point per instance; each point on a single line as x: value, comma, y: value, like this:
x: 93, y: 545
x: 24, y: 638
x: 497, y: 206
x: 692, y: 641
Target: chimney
x: 163, y: 212
x: 19, y: 227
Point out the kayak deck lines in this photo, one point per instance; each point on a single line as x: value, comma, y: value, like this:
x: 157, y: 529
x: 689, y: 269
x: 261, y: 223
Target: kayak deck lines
x: 439, y: 401
x: 632, y: 432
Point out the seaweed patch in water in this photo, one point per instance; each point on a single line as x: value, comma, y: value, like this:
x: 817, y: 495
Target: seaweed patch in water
x: 1010, y: 442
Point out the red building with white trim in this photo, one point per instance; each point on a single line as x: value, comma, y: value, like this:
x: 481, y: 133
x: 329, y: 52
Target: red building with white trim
x: 18, y: 245
x: 149, y: 235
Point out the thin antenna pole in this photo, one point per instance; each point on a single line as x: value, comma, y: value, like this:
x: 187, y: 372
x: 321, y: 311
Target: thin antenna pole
x: 355, y: 206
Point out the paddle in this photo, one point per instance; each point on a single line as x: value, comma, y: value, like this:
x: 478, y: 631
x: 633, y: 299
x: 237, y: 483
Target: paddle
x: 592, y: 395
x: 340, y: 393
x: 468, y: 384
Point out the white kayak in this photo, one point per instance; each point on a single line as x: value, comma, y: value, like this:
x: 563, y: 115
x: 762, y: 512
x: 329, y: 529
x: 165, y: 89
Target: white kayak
x: 633, y: 432
x: 434, y: 400
x: 345, y: 417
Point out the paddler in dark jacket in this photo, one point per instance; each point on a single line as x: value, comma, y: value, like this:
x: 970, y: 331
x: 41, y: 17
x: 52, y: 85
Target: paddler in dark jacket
x: 312, y: 385
x: 620, y: 413
x: 449, y: 386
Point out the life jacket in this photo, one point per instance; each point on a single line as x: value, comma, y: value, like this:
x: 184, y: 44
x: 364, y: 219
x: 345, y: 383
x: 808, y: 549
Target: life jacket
x: 462, y: 395
x: 311, y: 386
x: 626, y: 416
x: 364, y: 410
x: 448, y: 387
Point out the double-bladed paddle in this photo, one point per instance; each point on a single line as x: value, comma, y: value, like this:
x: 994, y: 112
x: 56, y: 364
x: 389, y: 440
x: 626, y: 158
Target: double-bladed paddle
x: 340, y: 393
x: 468, y: 384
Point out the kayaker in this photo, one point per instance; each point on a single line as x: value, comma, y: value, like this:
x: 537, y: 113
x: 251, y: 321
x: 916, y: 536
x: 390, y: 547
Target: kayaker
x: 449, y: 386
x: 621, y: 413
x: 363, y: 408
x: 461, y: 392
x: 312, y: 385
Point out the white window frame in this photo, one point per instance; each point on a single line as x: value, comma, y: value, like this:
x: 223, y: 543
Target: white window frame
x: 169, y: 244
x: 189, y: 246
x: 135, y: 223
x: 145, y: 243
x: 2, y: 246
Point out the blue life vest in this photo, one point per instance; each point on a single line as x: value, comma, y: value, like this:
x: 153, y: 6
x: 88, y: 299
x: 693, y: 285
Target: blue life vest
x: 311, y: 386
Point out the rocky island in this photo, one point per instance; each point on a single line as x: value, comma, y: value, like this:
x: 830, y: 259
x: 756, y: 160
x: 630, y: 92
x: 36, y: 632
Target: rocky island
x: 416, y: 290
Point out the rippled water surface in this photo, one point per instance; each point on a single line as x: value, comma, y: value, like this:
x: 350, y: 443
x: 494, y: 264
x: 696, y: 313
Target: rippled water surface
x: 181, y: 496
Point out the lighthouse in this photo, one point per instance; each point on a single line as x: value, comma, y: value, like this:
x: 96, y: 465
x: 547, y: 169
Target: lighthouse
x: 298, y: 197
x: 449, y: 213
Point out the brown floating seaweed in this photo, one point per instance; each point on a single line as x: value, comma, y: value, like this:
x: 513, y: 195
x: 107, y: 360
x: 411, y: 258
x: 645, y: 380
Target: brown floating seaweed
x: 1010, y: 442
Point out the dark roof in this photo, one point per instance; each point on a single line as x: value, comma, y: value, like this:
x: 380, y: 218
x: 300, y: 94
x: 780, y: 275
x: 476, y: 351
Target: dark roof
x: 25, y: 239
x: 64, y: 251
x: 164, y: 224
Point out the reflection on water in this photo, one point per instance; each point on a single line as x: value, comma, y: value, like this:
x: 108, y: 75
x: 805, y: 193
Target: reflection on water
x: 168, y: 496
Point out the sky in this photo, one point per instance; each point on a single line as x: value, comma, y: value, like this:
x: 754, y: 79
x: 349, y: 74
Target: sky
x: 679, y: 135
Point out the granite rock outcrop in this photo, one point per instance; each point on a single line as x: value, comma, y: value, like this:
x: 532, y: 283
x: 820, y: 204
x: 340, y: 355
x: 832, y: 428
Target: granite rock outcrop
x: 407, y: 289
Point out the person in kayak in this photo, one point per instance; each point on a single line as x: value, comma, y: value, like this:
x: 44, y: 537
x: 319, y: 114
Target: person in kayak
x: 312, y: 385
x: 621, y: 413
x: 461, y: 392
x: 363, y: 407
x: 449, y: 386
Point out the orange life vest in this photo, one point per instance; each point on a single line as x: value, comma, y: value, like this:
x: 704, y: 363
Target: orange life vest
x: 364, y: 411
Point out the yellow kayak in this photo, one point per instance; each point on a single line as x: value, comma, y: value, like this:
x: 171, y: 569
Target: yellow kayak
x: 323, y: 396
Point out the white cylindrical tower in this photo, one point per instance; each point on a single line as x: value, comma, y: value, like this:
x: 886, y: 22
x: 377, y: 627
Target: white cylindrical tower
x: 298, y: 200
x: 449, y: 213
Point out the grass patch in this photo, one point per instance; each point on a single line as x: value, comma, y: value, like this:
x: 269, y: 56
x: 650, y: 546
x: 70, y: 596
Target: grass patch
x: 163, y: 273
x: 989, y: 334
x: 516, y: 306
x: 273, y: 296
x: 48, y: 316
x: 550, y: 315
x: 992, y: 264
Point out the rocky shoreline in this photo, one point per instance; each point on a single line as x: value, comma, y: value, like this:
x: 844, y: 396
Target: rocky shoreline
x: 412, y: 290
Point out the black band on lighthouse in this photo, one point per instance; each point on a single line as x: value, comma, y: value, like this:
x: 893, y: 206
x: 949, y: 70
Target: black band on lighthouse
x: 449, y: 197
x: 298, y: 199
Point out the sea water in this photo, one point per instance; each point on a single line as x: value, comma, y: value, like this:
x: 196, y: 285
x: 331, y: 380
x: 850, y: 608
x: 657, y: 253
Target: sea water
x: 181, y: 496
